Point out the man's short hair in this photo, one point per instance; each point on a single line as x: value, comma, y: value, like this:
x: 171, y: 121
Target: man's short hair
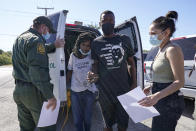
x: 106, y: 12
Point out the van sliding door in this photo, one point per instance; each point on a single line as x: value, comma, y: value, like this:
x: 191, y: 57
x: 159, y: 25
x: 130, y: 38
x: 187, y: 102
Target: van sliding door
x: 57, y: 59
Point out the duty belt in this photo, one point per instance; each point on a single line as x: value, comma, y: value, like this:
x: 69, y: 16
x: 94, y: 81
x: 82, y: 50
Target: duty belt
x: 23, y: 82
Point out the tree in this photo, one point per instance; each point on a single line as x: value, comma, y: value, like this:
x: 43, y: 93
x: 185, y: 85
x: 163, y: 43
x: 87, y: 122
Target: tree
x: 5, y: 57
x: 145, y: 51
x: 9, y: 53
x: 1, y: 51
x: 95, y: 26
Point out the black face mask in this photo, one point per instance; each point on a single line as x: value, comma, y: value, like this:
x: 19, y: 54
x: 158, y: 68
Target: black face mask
x: 107, y: 28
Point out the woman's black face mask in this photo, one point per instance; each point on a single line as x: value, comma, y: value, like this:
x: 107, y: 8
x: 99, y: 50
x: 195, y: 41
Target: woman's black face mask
x: 107, y: 28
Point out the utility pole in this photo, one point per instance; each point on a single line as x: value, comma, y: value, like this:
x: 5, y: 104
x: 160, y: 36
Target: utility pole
x: 45, y: 9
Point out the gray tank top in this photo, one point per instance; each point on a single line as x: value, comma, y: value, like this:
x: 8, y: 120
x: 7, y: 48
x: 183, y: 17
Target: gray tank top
x: 161, y: 69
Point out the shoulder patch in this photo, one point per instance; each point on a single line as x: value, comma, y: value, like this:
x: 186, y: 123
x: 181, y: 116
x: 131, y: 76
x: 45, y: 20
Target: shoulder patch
x: 40, y: 49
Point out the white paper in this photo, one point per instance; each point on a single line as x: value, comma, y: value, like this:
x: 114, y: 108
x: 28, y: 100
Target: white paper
x: 138, y: 113
x: 47, y: 116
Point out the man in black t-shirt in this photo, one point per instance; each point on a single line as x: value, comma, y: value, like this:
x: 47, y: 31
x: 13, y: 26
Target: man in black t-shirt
x: 112, y: 53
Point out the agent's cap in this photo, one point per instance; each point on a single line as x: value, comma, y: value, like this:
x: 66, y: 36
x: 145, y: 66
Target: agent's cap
x: 45, y: 20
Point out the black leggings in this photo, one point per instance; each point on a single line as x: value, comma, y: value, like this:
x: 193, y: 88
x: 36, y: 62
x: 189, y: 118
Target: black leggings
x: 170, y: 109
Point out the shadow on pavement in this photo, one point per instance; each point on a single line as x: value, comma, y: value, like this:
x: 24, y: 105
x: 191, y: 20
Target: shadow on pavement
x: 97, y: 122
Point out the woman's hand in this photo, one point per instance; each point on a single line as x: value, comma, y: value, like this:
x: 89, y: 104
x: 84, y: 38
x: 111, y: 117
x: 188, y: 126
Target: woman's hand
x: 149, y: 100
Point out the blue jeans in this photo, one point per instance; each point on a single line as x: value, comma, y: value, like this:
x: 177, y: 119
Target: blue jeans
x: 82, y: 104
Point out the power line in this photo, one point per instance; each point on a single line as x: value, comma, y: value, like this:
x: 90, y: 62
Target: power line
x: 12, y: 35
x: 19, y: 11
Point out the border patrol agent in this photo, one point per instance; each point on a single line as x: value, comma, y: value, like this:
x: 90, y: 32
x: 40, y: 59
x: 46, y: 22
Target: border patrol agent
x: 31, y: 73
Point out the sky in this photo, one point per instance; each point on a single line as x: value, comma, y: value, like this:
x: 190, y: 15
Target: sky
x: 17, y: 15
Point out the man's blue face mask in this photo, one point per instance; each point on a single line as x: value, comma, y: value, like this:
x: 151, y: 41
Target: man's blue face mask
x: 46, y: 36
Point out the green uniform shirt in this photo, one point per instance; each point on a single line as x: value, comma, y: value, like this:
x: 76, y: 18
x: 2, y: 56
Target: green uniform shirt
x: 30, y: 61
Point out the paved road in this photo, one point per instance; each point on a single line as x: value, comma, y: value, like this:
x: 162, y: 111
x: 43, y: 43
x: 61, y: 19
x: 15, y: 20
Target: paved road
x: 9, y: 122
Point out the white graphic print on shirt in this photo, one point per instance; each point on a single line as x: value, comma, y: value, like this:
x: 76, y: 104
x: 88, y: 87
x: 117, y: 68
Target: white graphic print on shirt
x: 113, y: 55
x: 80, y: 69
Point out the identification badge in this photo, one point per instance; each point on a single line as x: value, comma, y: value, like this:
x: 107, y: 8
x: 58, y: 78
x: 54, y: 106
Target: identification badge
x: 41, y: 49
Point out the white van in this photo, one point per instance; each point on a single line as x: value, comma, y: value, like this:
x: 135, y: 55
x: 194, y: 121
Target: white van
x: 70, y: 32
x: 188, y: 46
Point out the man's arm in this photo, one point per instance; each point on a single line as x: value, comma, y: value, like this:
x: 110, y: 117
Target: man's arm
x: 95, y: 67
x: 130, y: 60
x: 132, y: 71
x: 52, y: 47
x: 39, y: 72
x: 38, y: 68
x: 93, y: 74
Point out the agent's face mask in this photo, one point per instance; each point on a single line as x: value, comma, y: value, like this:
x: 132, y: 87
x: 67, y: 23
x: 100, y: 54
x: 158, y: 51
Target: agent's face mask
x: 154, y: 40
x: 107, y: 28
x: 83, y: 53
x: 46, y: 36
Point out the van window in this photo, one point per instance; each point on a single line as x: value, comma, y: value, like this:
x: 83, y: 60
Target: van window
x: 188, y: 46
x: 128, y: 29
